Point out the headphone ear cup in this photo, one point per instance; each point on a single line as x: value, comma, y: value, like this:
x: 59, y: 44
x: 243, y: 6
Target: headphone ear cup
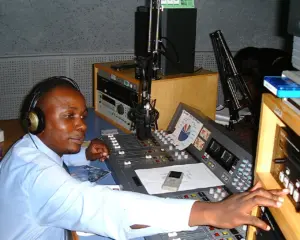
x: 36, y: 121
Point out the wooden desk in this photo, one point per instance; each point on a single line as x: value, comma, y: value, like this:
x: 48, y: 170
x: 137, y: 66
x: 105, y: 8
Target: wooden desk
x: 12, y: 132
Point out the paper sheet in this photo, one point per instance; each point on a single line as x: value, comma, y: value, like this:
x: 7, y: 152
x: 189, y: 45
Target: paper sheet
x: 195, y: 176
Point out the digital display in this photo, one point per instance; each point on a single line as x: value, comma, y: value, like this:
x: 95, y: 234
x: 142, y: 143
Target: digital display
x: 221, y: 155
x: 174, y: 174
x: 107, y: 99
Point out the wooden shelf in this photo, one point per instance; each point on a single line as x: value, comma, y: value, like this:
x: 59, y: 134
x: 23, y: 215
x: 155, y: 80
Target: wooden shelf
x: 274, y: 113
x: 283, y: 112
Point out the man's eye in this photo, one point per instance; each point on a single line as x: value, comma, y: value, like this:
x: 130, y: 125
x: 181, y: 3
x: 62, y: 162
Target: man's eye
x: 70, y: 116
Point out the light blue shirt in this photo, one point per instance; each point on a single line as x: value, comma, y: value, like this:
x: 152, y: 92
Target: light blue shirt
x: 39, y: 199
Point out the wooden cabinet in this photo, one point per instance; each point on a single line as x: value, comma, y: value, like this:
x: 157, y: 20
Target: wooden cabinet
x: 275, y: 113
x: 198, y: 90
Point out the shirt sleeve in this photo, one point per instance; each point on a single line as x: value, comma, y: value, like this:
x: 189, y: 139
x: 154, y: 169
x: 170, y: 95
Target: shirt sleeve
x: 77, y: 159
x: 58, y: 200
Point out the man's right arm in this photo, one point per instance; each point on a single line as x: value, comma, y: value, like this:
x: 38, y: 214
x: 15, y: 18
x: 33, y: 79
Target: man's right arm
x: 236, y: 210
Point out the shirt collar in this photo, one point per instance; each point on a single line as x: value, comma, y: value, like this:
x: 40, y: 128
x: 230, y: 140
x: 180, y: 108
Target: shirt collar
x: 43, y: 148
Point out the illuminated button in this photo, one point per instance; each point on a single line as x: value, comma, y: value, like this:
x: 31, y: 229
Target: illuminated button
x: 225, y: 233
x: 211, y: 191
x: 110, y: 136
x: 114, y: 141
x: 240, y: 184
x: 215, y: 196
x: 117, y: 147
x: 297, y: 184
x: 148, y: 156
x: 238, y: 188
x: 179, y: 157
x: 186, y: 156
x: 127, y: 163
x: 234, y: 183
x: 296, y: 196
x: 170, y: 147
x: 223, y: 194
x: 235, y: 179
x: 176, y: 153
x: 286, y: 181
x: 162, y: 150
x: 172, y: 234
x: 287, y: 171
x: 245, y: 160
x: 291, y: 188
x: 244, y: 228
x: 121, y: 152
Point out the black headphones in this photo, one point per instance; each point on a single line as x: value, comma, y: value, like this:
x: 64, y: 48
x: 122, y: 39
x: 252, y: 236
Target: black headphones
x: 34, y: 118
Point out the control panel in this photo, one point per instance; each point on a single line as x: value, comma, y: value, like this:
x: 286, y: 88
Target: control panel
x: 286, y: 163
x: 190, y: 138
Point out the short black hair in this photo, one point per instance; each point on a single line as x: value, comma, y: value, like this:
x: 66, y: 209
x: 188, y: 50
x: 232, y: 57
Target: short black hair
x: 43, y: 87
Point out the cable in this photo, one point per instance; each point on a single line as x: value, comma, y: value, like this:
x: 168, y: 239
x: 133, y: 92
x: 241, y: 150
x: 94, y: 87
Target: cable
x: 32, y: 140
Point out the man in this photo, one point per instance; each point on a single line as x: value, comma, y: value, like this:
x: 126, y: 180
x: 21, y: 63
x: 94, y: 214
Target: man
x: 39, y: 199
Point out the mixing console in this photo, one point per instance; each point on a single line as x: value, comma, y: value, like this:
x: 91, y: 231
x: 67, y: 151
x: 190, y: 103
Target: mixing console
x: 190, y: 138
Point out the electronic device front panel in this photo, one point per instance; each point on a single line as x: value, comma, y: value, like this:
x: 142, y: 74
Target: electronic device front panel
x: 116, y: 97
x: 190, y: 138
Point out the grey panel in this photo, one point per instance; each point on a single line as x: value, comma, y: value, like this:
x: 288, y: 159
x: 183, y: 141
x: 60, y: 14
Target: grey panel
x: 14, y: 76
x: 18, y: 75
x: 296, y: 53
x: 43, y: 67
x: 93, y: 26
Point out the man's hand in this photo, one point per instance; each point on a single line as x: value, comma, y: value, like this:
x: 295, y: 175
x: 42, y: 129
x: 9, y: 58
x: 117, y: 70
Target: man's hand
x: 236, y: 209
x: 97, y: 150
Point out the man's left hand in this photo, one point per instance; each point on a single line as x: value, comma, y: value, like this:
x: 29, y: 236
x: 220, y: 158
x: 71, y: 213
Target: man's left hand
x: 97, y: 150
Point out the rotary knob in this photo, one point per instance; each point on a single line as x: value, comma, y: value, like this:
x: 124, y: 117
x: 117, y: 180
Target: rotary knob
x: 120, y: 109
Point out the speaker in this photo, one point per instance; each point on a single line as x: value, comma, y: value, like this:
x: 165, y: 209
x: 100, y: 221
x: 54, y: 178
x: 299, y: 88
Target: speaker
x: 141, y: 28
x: 294, y: 18
x: 178, y: 35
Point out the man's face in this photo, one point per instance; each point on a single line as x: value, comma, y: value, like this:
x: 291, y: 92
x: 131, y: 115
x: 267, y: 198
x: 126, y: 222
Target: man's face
x: 65, y: 111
